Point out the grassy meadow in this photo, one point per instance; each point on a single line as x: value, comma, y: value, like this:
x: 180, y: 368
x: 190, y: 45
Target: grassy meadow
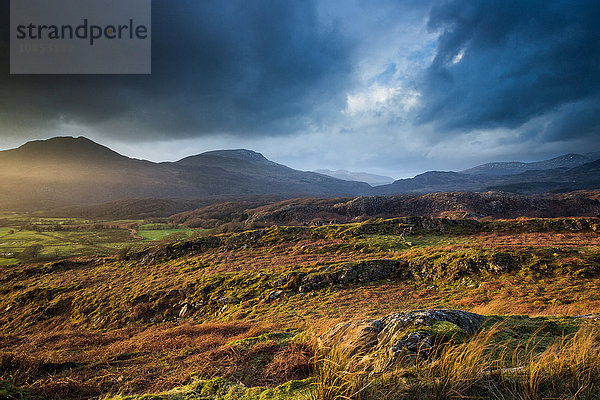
x: 242, y: 315
x: 158, y: 231
x: 60, y: 238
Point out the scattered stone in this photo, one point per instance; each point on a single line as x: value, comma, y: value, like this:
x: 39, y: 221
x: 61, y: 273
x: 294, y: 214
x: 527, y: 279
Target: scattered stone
x: 274, y: 295
x: 228, y: 300
x: 595, y: 317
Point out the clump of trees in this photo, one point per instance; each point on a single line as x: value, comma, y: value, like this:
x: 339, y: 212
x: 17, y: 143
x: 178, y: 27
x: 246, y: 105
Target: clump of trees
x: 31, y: 253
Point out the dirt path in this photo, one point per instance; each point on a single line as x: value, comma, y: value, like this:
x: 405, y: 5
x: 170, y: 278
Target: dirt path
x: 134, y: 234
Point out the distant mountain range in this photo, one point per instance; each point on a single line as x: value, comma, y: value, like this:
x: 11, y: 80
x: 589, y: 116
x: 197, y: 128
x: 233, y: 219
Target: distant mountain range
x: 515, y: 167
x: 561, y: 179
x: 67, y: 171
x: 371, y: 179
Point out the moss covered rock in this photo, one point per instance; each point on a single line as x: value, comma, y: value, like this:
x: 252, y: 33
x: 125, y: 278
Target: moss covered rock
x: 400, y: 337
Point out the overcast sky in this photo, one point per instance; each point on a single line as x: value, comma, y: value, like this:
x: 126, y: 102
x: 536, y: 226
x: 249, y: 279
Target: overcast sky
x: 383, y: 86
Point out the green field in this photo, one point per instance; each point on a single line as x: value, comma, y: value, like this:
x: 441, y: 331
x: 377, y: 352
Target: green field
x: 159, y: 234
x: 61, y: 238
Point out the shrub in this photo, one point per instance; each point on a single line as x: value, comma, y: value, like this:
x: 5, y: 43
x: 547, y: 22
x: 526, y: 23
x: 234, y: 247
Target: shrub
x: 31, y: 253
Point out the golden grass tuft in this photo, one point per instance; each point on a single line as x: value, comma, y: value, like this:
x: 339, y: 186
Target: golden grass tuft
x: 480, y: 368
x: 458, y: 368
x: 338, y: 376
x: 569, y: 368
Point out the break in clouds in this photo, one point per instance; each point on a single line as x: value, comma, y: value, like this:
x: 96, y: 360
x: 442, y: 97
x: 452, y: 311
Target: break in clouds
x: 338, y: 84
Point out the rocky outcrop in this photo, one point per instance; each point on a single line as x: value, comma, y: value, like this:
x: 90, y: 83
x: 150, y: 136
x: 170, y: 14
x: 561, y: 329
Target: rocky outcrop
x: 362, y: 272
x: 435, y: 205
x: 380, y: 344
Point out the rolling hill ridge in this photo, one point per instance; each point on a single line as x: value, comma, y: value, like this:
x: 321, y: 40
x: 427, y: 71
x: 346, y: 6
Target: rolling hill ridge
x: 67, y: 171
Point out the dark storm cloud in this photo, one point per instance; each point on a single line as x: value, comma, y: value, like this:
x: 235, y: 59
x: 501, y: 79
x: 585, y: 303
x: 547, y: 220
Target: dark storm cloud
x: 230, y: 66
x: 575, y: 121
x: 520, y: 60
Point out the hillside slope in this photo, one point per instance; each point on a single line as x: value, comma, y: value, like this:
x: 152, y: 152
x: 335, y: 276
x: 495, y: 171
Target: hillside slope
x: 241, y: 316
x: 515, y: 167
x: 342, y: 210
x: 66, y: 171
x: 563, y: 179
x: 69, y: 171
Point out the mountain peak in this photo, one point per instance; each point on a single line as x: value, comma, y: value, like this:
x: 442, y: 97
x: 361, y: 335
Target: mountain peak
x: 59, y: 141
x: 236, y: 159
x: 66, y: 147
x: 239, y: 154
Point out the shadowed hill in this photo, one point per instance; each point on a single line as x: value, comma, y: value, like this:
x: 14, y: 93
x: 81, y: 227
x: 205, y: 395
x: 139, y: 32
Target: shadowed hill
x: 342, y: 210
x: 69, y: 171
x: 563, y: 179
x: 62, y: 148
x: 66, y: 171
x: 586, y: 176
x: 155, y: 208
x: 511, y: 168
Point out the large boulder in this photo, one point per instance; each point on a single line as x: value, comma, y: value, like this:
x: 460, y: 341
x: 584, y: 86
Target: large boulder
x: 381, y: 344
